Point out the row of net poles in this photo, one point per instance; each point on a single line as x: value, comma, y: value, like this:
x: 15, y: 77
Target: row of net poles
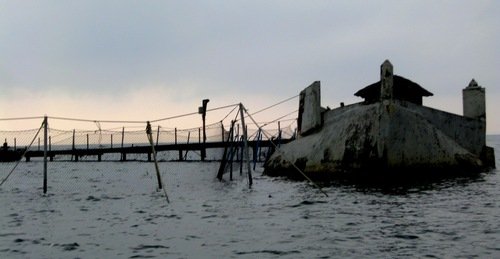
x: 257, y: 149
x: 228, y: 154
x: 230, y: 145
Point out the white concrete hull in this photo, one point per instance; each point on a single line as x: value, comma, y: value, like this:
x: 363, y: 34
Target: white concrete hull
x: 390, y: 136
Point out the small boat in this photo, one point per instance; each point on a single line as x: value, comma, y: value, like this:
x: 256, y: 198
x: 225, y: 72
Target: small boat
x: 8, y: 154
x: 389, y: 132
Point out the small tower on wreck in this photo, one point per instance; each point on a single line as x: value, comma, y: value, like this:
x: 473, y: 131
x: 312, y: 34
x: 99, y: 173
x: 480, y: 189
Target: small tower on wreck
x: 392, y: 87
x: 474, y: 101
x: 386, y: 81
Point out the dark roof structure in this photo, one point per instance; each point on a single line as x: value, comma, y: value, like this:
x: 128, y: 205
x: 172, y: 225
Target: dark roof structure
x: 403, y: 89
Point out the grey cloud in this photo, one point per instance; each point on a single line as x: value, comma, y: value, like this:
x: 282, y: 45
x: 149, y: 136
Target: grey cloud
x: 235, y: 46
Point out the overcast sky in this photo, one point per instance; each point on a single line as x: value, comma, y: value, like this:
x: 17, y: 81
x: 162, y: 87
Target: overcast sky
x: 142, y: 60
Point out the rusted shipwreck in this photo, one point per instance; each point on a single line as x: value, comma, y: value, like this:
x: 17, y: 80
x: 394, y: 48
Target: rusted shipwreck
x: 390, y: 132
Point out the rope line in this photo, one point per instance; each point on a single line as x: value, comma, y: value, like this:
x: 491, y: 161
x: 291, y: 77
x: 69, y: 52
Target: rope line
x: 223, y: 107
x: 145, y: 121
x: 192, y: 113
x: 284, y: 116
x: 236, y: 106
x: 123, y: 121
x: 274, y: 105
x: 17, y: 131
x: 22, y: 118
x: 279, y: 150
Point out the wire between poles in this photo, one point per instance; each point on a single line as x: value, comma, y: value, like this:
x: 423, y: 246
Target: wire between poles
x: 22, y: 118
x: 269, y: 107
x: 279, y: 150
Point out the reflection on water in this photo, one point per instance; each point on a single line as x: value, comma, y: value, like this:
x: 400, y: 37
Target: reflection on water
x: 111, y: 210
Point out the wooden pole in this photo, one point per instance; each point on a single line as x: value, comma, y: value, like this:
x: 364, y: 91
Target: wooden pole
x: 73, y: 146
x: 87, y: 142
x: 259, y: 147
x: 225, y: 156
x: 222, y: 130
x: 279, y: 134
x: 45, y: 127
x: 256, y: 149
x: 233, y: 149
x: 237, y: 139
x: 73, y: 143
x: 149, y: 133
x: 187, y: 150
x: 245, y: 144
x: 175, y: 136
x: 124, y: 156
x: 203, y: 111
x: 15, y: 144
x: 123, y: 135
x: 240, y: 154
x: 180, y: 151
x: 111, y: 140
x: 157, y: 135
x: 150, y: 138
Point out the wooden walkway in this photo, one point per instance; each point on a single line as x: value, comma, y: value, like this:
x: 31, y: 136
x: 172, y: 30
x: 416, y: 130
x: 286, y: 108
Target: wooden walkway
x: 146, y: 149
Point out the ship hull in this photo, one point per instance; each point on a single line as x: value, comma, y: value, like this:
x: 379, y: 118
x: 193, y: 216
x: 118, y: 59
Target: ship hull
x: 390, y: 137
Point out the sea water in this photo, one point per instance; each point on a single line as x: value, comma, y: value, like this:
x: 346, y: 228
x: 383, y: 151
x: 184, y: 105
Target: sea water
x: 115, y: 210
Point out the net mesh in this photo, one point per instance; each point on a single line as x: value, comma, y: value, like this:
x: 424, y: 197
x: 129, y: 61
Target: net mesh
x: 73, y: 167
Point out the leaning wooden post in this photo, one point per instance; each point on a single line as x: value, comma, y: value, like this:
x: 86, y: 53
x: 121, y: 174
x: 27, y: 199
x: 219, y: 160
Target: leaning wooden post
x: 245, y: 143
x: 187, y: 149
x: 222, y: 130
x: 149, y: 133
x: 157, y: 135
x: 45, y: 130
